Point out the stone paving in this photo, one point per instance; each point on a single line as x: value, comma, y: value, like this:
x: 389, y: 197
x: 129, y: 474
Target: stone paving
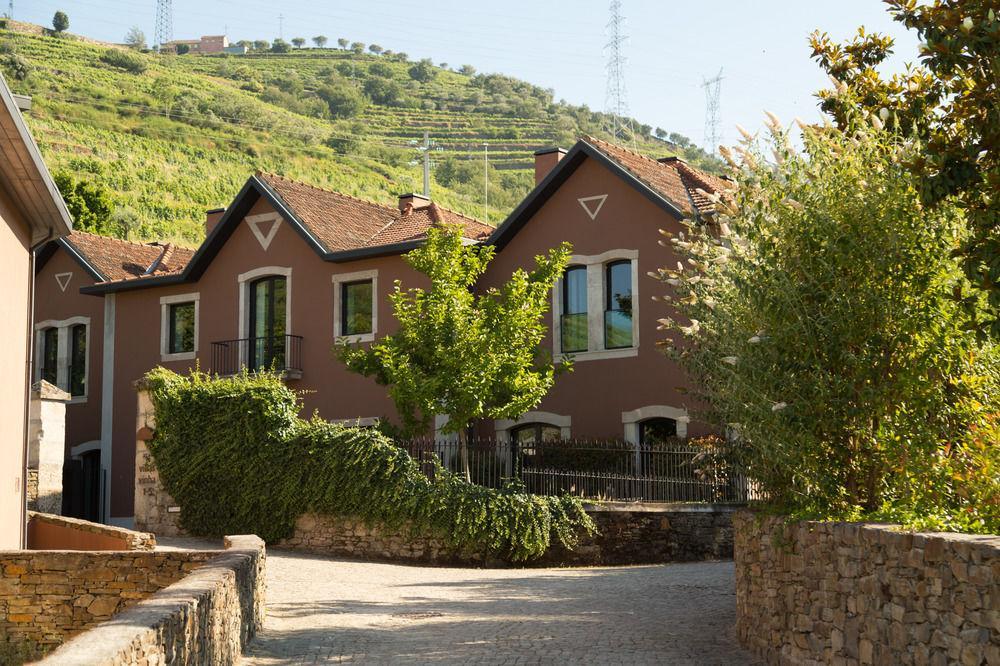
x: 331, y: 610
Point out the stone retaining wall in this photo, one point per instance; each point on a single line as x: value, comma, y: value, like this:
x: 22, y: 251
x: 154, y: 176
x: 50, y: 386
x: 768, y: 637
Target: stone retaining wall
x: 51, y: 532
x: 850, y: 593
x: 47, y: 596
x: 628, y: 534
x: 205, y: 618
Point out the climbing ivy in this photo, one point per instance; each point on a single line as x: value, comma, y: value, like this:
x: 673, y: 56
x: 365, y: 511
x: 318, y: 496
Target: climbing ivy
x: 237, y: 458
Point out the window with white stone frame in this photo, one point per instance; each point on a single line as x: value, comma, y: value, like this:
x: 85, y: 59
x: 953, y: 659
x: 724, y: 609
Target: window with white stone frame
x: 355, y: 306
x: 61, y: 355
x: 179, y: 315
x: 595, y: 307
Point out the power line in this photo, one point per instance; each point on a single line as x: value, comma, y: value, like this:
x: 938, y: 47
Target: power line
x: 713, y: 117
x: 164, y: 31
x: 619, y: 121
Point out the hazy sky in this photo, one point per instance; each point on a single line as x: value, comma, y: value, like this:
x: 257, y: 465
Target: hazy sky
x: 761, y: 46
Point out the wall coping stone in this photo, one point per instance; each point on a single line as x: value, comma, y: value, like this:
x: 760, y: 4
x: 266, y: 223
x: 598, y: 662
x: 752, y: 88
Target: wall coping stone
x: 143, y: 541
x: 43, y: 390
x: 116, y: 641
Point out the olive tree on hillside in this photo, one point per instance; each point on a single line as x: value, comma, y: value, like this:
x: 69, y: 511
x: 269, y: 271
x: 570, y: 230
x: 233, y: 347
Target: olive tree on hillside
x: 319, y: 41
x: 817, y: 322
x: 135, y: 38
x: 60, y: 22
x: 457, y: 353
x: 299, y: 42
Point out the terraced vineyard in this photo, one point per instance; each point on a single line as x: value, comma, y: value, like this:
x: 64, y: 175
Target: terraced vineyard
x: 170, y: 136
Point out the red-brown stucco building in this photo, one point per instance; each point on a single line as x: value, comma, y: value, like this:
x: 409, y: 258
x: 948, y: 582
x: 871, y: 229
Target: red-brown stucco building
x: 286, y: 269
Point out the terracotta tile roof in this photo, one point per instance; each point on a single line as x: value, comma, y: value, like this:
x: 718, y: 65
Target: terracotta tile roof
x: 341, y: 222
x: 673, y: 178
x: 124, y: 260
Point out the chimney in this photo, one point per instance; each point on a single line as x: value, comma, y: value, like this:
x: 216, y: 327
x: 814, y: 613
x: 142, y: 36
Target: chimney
x: 545, y: 161
x: 212, y: 218
x: 413, y: 201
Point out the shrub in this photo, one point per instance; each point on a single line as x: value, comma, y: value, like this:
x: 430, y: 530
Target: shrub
x: 383, y: 91
x: 423, y: 71
x: 821, y: 326
x: 280, y: 46
x: 342, y: 98
x: 17, y: 67
x: 235, y: 456
x: 130, y: 62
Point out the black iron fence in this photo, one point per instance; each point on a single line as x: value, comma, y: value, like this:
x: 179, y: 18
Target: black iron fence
x: 674, y: 471
x: 276, y: 352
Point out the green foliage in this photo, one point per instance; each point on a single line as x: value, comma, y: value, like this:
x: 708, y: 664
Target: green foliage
x: 130, y: 62
x: 461, y: 354
x: 183, y: 49
x: 819, y: 324
x: 299, y: 42
x: 342, y: 98
x: 950, y: 101
x: 423, y: 71
x: 15, y: 66
x: 184, y: 138
x: 135, y: 38
x: 280, y: 46
x: 60, y: 22
x: 235, y: 456
x: 320, y: 41
x: 89, y: 203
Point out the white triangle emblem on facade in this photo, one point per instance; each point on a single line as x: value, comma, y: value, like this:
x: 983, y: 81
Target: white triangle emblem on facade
x: 258, y: 224
x: 593, y: 204
x: 62, y: 279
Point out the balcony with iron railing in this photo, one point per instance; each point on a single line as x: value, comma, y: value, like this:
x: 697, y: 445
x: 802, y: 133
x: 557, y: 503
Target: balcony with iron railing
x: 279, y: 353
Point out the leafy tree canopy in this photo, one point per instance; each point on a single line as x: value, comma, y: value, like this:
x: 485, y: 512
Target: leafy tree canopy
x: 319, y: 41
x: 89, y: 204
x: 461, y: 354
x: 817, y: 321
x: 60, y: 22
x: 951, y: 102
x: 135, y: 38
x: 423, y: 71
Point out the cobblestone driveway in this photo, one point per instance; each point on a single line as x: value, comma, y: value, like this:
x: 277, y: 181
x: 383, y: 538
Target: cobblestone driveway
x: 327, y: 610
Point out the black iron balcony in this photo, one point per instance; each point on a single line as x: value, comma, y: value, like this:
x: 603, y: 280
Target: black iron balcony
x: 280, y: 353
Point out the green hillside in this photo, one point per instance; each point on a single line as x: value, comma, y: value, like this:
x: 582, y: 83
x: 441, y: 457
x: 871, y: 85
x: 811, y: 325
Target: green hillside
x: 170, y: 136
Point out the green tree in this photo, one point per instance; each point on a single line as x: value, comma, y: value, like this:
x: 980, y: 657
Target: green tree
x: 299, y: 42
x: 375, y: 49
x: 261, y: 45
x: 135, y: 38
x: 423, y: 71
x: 816, y: 320
x: 383, y: 91
x: 280, y: 46
x: 951, y: 102
x: 343, y: 99
x: 467, y: 70
x: 319, y: 41
x: 343, y: 43
x: 183, y: 49
x: 60, y: 22
x: 89, y: 203
x: 358, y: 48
x: 460, y: 354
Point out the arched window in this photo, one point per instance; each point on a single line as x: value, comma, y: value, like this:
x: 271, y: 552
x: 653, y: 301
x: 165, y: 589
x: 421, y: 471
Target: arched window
x: 618, y: 305
x: 657, y: 430
x: 574, y: 309
x: 534, y: 433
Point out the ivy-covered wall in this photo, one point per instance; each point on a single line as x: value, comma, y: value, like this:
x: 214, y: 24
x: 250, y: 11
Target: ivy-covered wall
x: 236, y: 458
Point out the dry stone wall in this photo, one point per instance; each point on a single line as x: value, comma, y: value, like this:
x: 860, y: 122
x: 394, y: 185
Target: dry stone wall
x: 205, y: 618
x: 627, y: 534
x: 851, y: 593
x: 48, y: 596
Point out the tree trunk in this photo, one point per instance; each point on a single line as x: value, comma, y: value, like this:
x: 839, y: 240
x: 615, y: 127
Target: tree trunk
x: 463, y: 451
